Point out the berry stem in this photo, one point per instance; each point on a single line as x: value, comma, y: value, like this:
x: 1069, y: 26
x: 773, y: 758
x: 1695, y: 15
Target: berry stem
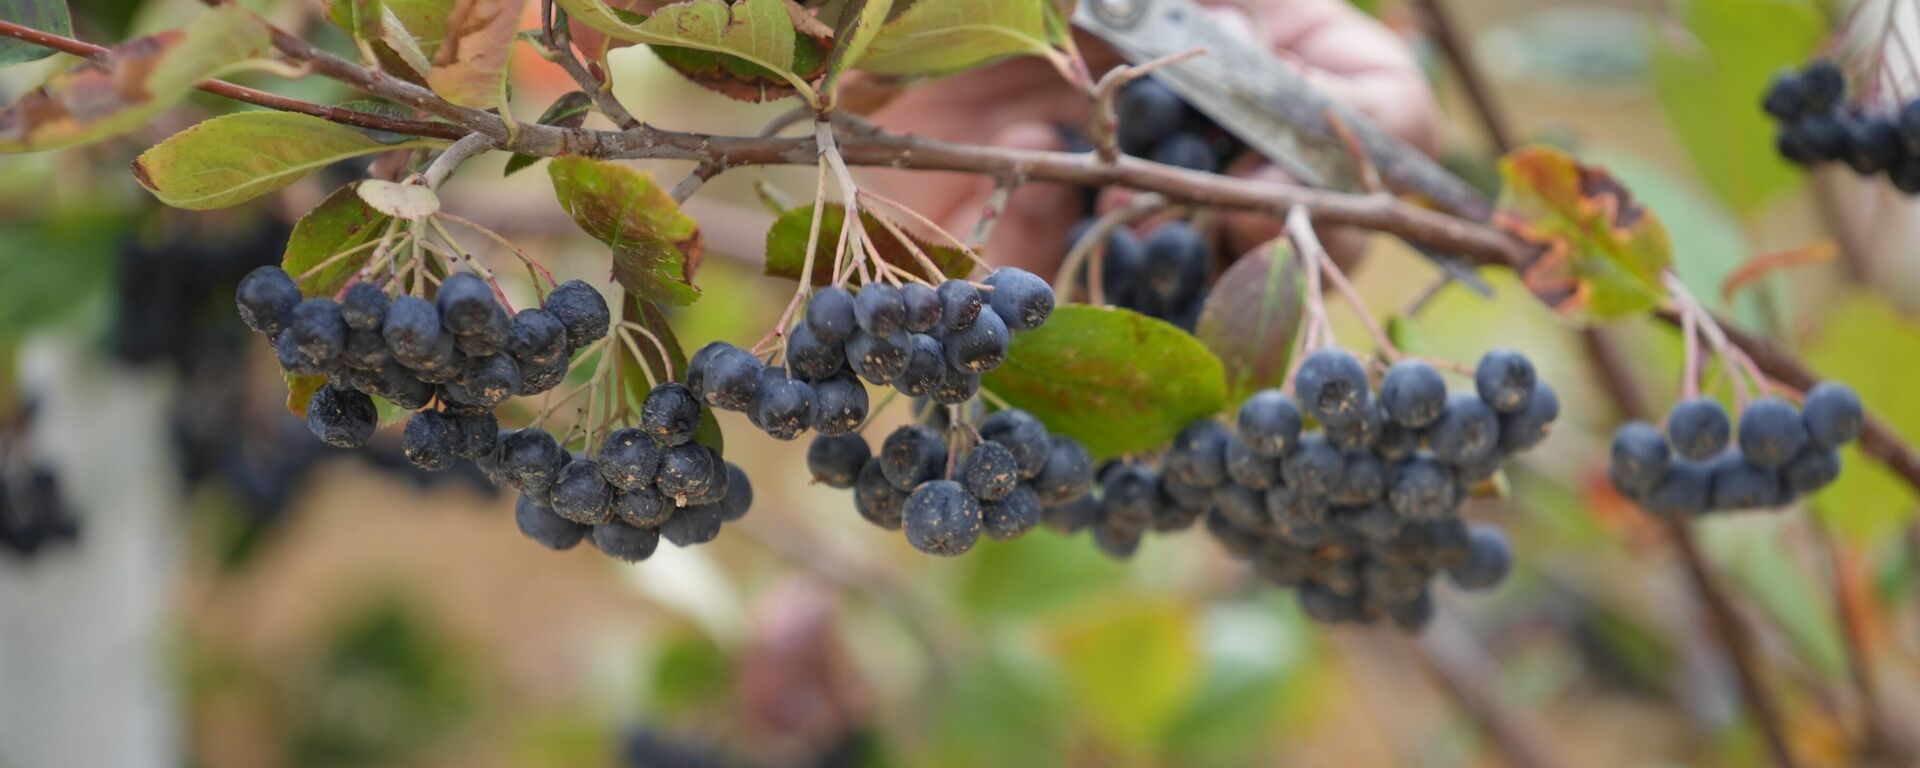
x: 532, y: 263
x: 933, y: 270
x: 334, y: 259
x: 1690, y: 365
x: 1300, y: 231
x: 928, y: 224
x: 626, y: 339
x: 1347, y: 291
x: 994, y: 398
x: 658, y: 346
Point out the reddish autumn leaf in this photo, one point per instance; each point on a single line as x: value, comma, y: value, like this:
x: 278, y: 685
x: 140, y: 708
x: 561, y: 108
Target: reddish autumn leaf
x: 470, y: 68
x: 1597, y: 252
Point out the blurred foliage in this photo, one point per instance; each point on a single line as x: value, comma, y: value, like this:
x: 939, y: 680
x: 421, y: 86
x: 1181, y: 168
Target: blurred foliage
x: 387, y: 684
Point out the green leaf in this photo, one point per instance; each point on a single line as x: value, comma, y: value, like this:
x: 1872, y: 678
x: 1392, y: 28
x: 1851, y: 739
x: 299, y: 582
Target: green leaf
x: 1858, y: 337
x: 470, y: 66
x: 935, y: 37
x: 341, y: 223
x: 568, y: 111
x: 43, y: 15
x: 234, y: 158
x: 1710, y: 76
x: 656, y: 248
x: 758, y: 31
x: 1132, y: 665
x: 787, y: 247
x: 1598, y: 253
x: 1116, y: 380
x: 648, y: 316
x: 1250, y: 319
x: 132, y: 82
x: 859, y: 25
x: 363, y: 19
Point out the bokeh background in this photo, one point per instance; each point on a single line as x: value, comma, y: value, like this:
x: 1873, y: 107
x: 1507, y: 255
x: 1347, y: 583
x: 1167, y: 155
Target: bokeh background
x: 209, y: 586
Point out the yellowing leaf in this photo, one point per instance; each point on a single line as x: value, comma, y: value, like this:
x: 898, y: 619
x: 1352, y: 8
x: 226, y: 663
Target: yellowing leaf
x: 758, y: 31
x: 1597, y: 252
x: 656, y: 248
x: 234, y: 158
x: 401, y: 201
x: 131, y: 83
x: 1862, y: 341
x: 470, y: 67
x: 941, y: 36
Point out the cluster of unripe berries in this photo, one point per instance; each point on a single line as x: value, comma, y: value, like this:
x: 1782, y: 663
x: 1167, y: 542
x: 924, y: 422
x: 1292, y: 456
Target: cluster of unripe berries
x: 646, y: 483
x: 1697, y: 466
x: 924, y: 341
x: 1156, y: 124
x: 461, y: 352
x: 1013, y: 476
x: 1163, y: 275
x: 1817, y: 127
x: 1347, y: 494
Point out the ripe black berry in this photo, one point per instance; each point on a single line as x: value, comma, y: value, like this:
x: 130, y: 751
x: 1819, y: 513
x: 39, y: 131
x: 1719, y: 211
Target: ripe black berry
x: 1244, y: 467
x: 836, y: 460
x: 429, y: 440
x: 1698, y: 429
x: 465, y: 301
x: 1421, y: 488
x: 580, y: 494
x: 1735, y: 483
x: 1825, y: 135
x: 536, y: 378
x: 582, y: 310
x: 625, y: 542
x: 1269, y: 423
x: 1362, y: 432
x: 398, y: 384
x: 955, y: 388
x: 1147, y: 112
x: 412, y: 329
x: 1332, y: 387
x: 670, y: 414
x: 941, y: 519
x: 879, y: 309
x: 1011, y: 517
x: 475, y: 435
x: 485, y: 382
x: 1813, y: 469
x: 1833, y: 415
x: 1118, y: 541
x: 1022, y: 434
x: 737, y: 498
x: 912, y: 455
x: 784, y: 408
x: 1315, y: 468
x: 960, y: 304
x: 1489, y: 559
x: 830, y: 315
x: 1528, y: 426
x: 1771, y: 432
x: 1067, y: 475
x: 363, y: 307
x: 546, y: 527
x: 693, y: 525
x: 1822, y: 85
x: 686, y: 471
x: 1021, y: 299
x: 879, y: 359
x: 1199, y: 454
x: 1186, y: 150
x: 291, y: 359
x: 1073, y: 516
x: 1363, y: 481
x: 366, y: 350
x: 1504, y: 380
x: 1786, y: 96
x: 990, y: 472
x: 266, y: 299
x: 341, y: 417
x: 643, y: 508
x: 810, y: 358
x: 1413, y: 394
x: 532, y: 458
x: 926, y: 367
x: 1685, y: 489
x: 1245, y: 507
x: 537, y: 337
x: 1638, y: 457
x: 923, y: 307
x: 839, y: 404
x: 629, y: 459
x: 731, y: 380
x: 981, y: 346
x: 876, y: 499
x: 317, y: 329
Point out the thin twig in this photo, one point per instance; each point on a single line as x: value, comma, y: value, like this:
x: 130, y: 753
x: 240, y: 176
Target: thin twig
x: 461, y: 151
x: 1463, y: 670
x: 1103, y: 125
x: 990, y: 214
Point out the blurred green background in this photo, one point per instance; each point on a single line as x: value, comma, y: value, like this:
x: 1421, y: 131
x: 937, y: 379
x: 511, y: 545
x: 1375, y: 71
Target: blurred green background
x: 324, y: 611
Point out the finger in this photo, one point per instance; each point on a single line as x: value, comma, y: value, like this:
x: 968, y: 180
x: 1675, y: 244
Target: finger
x: 1356, y: 60
x: 1031, y: 232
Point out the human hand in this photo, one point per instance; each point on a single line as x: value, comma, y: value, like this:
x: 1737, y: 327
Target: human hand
x: 1020, y: 104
